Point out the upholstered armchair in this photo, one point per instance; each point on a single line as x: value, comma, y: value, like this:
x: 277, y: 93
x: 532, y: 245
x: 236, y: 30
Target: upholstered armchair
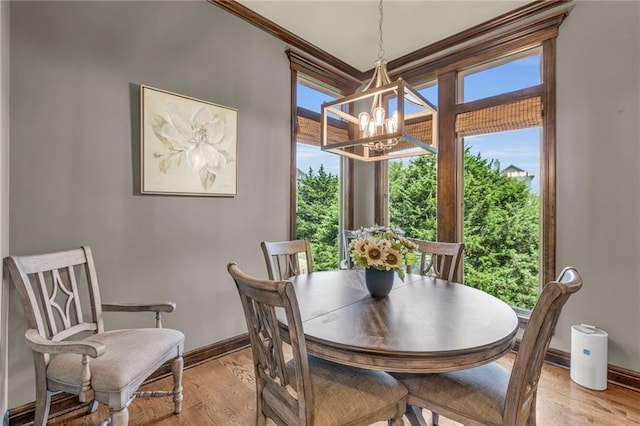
x: 105, y: 366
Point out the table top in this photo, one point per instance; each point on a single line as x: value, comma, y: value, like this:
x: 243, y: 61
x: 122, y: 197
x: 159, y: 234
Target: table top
x: 425, y: 325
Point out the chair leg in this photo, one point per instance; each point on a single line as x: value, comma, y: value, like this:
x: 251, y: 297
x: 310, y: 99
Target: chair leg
x: 43, y: 403
x: 397, y: 420
x: 120, y: 417
x: 414, y: 415
x: 92, y: 407
x: 176, y: 370
x: 261, y: 417
x: 435, y: 418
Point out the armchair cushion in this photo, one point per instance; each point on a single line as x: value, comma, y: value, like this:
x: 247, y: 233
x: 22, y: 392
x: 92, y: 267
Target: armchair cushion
x: 130, y: 357
x: 342, y: 394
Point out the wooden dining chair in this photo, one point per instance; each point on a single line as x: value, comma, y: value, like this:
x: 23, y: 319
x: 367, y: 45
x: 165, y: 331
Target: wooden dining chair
x: 105, y: 366
x: 490, y: 394
x: 285, y: 259
x: 438, y: 259
x: 306, y: 390
x: 348, y: 235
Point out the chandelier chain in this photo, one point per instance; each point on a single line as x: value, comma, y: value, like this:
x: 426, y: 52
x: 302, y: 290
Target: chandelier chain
x: 381, y: 50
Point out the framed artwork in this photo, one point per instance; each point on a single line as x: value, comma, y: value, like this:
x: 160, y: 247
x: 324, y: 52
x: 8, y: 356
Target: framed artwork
x: 188, y: 146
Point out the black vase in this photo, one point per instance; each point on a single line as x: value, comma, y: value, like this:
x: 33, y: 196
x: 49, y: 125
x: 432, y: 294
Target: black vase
x: 379, y: 283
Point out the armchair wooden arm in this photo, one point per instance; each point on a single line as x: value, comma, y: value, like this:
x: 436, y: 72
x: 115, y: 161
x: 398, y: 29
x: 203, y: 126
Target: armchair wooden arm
x: 141, y: 307
x: 43, y: 345
x: 85, y: 348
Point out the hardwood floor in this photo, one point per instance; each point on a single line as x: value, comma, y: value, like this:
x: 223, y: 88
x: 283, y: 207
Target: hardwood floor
x: 222, y: 392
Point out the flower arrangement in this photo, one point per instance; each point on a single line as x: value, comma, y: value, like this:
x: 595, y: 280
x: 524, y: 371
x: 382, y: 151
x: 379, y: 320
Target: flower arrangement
x: 383, y: 249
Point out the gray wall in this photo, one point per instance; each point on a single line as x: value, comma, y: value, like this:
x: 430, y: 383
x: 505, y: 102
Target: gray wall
x: 4, y: 194
x: 598, y: 172
x: 73, y: 124
x: 75, y: 68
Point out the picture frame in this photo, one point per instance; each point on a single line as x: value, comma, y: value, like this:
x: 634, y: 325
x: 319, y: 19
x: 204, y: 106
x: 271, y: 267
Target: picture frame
x: 187, y: 146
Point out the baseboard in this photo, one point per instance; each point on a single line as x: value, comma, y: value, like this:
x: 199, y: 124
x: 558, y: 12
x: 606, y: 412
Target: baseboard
x: 615, y: 375
x: 63, y: 403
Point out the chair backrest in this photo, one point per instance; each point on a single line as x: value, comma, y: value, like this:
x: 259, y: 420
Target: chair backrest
x: 348, y: 235
x: 527, y: 367
x: 438, y: 259
x: 48, y: 287
x: 283, y: 258
x: 259, y: 300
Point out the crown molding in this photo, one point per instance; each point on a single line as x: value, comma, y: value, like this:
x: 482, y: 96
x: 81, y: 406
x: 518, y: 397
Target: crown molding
x: 259, y: 21
x: 453, y: 44
x: 496, y: 24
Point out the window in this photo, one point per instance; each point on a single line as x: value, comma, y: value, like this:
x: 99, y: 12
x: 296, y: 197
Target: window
x: 501, y: 224
x: 318, y: 184
x: 464, y: 113
x: 503, y: 76
x: 501, y: 182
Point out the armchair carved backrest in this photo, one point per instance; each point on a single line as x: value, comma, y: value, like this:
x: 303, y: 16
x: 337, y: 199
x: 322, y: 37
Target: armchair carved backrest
x: 50, y: 287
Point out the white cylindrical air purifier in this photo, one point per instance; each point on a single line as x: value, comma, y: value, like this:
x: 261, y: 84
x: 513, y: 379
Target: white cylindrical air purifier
x: 589, y: 347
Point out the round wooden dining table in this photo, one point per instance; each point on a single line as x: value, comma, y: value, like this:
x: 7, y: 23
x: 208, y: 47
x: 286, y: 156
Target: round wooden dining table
x: 425, y: 325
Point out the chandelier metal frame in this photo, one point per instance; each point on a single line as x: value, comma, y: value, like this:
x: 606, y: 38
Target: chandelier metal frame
x: 374, y: 135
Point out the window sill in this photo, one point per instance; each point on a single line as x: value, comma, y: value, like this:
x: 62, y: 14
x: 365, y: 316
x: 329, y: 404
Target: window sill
x: 523, y: 315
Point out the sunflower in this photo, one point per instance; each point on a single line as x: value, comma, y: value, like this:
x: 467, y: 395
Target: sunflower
x: 393, y: 259
x: 359, y: 246
x: 374, y: 254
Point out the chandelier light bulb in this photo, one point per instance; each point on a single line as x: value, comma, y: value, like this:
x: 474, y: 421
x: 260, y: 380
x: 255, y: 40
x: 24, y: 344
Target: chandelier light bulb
x: 364, y: 118
x: 390, y: 125
x: 378, y: 116
x: 372, y: 128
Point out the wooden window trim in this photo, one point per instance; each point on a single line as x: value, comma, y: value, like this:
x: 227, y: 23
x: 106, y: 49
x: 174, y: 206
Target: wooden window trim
x: 293, y: 173
x: 329, y: 79
x: 548, y: 165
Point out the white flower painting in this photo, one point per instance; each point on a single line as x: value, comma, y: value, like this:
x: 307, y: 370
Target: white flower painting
x: 189, y: 146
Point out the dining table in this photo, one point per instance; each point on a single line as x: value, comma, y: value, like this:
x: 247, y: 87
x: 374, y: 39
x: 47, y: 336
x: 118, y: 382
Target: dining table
x: 425, y: 325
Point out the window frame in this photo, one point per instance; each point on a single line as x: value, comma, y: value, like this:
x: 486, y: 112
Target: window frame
x: 450, y: 150
x: 320, y: 77
x: 524, y: 28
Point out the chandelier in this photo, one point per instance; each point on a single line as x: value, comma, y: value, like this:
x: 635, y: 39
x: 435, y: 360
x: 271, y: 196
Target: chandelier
x: 383, y: 121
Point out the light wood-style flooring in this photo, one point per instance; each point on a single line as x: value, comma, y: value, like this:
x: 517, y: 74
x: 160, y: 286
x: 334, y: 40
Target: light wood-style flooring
x: 222, y: 392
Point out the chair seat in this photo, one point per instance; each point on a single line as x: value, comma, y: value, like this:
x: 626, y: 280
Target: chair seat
x: 346, y: 395
x: 130, y: 357
x: 479, y: 391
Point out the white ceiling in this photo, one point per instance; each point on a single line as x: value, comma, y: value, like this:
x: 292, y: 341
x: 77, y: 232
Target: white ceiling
x: 348, y: 30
